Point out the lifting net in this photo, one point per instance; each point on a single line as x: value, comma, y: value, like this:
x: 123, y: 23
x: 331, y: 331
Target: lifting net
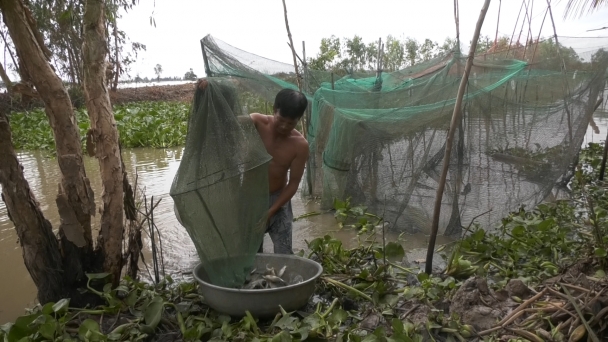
x: 379, y: 137
x: 221, y: 187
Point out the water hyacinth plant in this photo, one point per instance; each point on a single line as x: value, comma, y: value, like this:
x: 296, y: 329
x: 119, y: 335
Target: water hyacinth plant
x: 141, y: 124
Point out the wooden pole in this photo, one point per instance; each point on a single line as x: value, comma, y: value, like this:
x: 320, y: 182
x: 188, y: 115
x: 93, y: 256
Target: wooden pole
x: 565, y: 82
x: 379, y: 56
x: 497, y: 23
x: 305, y: 66
x: 456, y: 115
x: 293, y: 51
x: 457, y: 20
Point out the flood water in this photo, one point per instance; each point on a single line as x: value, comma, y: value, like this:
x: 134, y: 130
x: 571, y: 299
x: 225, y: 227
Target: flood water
x: 155, y: 169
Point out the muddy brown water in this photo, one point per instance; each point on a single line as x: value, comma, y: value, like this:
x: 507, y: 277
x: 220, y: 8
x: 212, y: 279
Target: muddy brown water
x: 155, y: 169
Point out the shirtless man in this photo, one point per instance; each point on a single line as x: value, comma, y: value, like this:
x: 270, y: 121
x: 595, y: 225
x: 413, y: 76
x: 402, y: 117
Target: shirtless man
x: 289, y: 152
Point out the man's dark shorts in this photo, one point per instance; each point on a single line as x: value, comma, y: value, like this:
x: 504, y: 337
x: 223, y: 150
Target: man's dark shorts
x: 280, y: 226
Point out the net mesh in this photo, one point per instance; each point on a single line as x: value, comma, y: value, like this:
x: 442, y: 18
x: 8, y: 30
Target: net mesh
x: 379, y: 137
x: 220, y: 190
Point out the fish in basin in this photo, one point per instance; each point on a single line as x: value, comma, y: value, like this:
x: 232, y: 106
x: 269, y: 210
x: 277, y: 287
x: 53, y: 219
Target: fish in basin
x: 269, y: 279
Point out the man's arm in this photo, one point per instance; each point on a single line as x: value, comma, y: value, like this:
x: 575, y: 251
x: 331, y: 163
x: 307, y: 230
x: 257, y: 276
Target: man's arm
x: 295, y: 176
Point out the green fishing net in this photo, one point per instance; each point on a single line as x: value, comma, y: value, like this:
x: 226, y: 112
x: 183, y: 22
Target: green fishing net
x: 379, y: 137
x: 220, y: 190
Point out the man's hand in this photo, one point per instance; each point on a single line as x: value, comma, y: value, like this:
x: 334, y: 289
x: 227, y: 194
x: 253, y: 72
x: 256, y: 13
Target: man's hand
x: 202, y: 83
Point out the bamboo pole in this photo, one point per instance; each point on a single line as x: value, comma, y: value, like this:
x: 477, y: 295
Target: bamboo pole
x: 565, y: 82
x: 293, y: 51
x: 456, y: 115
x: 497, y: 23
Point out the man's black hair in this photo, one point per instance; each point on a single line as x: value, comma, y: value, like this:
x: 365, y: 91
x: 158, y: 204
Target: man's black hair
x: 290, y: 103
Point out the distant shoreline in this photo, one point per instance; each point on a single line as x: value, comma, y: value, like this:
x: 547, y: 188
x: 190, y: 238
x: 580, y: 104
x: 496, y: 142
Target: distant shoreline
x: 180, y: 92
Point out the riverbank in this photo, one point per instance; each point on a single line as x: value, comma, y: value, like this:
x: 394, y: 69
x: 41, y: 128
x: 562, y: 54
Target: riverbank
x: 541, y: 276
x: 169, y: 93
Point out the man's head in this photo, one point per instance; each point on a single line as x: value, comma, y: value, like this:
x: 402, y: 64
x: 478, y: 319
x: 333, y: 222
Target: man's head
x: 289, y: 106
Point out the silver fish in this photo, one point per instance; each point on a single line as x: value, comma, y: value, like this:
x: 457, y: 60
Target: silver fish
x: 282, y: 271
x: 275, y: 279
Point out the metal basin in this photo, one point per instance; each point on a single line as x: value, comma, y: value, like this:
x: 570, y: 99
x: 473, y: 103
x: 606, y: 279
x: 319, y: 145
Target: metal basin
x: 263, y: 303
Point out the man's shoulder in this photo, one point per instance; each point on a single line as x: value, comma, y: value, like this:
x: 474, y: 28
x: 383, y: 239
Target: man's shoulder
x: 299, y: 140
x: 259, y: 118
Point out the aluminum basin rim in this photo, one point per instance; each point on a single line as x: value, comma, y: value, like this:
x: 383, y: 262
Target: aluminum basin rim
x: 278, y: 289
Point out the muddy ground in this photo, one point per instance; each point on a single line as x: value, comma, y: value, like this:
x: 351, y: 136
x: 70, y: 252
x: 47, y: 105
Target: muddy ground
x: 177, y: 93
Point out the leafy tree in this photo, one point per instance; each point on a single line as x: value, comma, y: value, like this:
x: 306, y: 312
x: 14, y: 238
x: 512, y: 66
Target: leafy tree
x: 58, y: 264
x: 484, y: 44
x: 411, y: 50
x: 60, y: 23
x: 582, y: 6
x: 427, y: 50
x: 448, y: 46
x: 158, y: 69
x: 190, y: 76
x: 394, y: 54
x: 329, y: 50
x: 356, y: 49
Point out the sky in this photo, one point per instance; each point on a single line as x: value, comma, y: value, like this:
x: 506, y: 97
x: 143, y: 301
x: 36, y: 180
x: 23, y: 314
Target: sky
x: 259, y: 27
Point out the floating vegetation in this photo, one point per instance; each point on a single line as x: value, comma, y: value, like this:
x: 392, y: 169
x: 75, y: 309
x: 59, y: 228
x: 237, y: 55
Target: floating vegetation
x: 141, y: 124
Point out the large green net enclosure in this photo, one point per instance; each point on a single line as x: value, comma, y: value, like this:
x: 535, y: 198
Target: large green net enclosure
x: 380, y: 137
x: 220, y: 190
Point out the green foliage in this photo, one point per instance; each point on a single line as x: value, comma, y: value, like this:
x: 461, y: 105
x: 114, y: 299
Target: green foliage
x: 143, y: 124
x: 62, y: 28
x: 355, y: 55
x: 355, y: 217
x: 254, y: 103
x: 190, y: 75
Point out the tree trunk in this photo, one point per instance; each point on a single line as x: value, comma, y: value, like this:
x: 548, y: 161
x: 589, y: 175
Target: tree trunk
x: 39, y: 244
x: 105, y: 137
x: 6, y: 80
x: 75, y: 199
x: 116, y: 60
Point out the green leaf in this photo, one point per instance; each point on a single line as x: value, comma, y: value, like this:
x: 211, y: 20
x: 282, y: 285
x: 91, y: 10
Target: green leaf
x: 303, y: 331
x: 87, y: 329
x: 338, y: 316
x: 48, y: 329
x: 600, y: 252
x: 478, y: 235
x: 22, y: 328
x: 132, y: 298
x: 47, y: 309
x: 287, y: 323
x: 519, y: 231
x: 314, y: 321
x: 283, y: 336
x: 422, y: 276
x: 370, y: 338
x: 398, y: 327
x: 153, y: 312
x: 61, y: 305
x: 546, y: 224
x: 394, y: 251
x: 97, y: 275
